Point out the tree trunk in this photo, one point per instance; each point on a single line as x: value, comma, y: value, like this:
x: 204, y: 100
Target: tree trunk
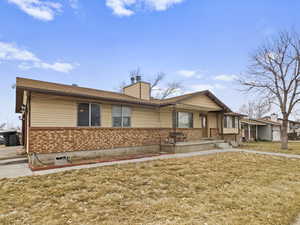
x: 284, y: 134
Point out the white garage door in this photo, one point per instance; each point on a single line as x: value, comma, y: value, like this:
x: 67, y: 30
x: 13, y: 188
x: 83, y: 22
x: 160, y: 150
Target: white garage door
x: 276, y: 135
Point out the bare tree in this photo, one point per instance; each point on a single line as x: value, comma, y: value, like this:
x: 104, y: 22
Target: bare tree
x: 256, y: 109
x: 171, y: 89
x: 275, y: 75
x: 157, y: 80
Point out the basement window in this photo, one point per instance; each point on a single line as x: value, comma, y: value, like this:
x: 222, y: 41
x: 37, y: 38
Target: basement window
x: 121, y: 116
x: 88, y: 115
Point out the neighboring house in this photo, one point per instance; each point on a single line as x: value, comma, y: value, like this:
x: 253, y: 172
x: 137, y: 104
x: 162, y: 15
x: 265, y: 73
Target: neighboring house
x: 260, y: 129
x: 61, y: 118
x: 293, y: 126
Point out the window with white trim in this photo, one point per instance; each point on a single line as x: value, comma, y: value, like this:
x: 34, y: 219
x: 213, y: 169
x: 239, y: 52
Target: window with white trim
x: 183, y: 120
x: 121, y: 116
x: 88, y: 115
x: 231, y: 122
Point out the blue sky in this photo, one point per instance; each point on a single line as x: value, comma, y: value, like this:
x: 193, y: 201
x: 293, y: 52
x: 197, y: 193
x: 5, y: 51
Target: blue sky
x: 95, y: 43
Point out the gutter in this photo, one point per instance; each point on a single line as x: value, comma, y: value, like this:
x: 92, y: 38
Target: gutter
x: 59, y: 93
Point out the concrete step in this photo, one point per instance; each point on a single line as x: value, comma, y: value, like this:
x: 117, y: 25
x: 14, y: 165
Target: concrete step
x: 223, y: 145
x: 194, y: 146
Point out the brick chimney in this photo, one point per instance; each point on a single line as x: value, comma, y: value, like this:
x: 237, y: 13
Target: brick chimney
x: 138, y: 88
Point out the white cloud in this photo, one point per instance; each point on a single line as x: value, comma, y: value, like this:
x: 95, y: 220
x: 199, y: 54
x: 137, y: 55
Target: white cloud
x: 57, y: 66
x: 119, y: 6
x: 42, y: 10
x: 126, y: 7
x: 161, y: 5
x: 226, y: 77
x: 10, y: 52
x: 189, y: 73
x: 202, y: 87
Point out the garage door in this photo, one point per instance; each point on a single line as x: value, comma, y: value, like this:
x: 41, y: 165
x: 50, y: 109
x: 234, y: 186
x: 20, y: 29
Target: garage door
x: 276, y: 135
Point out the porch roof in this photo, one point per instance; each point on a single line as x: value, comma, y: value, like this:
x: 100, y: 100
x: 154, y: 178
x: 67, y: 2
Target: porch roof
x: 252, y: 122
x: 191, y: 107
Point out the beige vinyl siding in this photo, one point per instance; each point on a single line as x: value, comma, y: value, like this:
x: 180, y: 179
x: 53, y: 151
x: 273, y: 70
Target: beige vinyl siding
x: 197, y: 122
x: 230, y: 130
x: 145, y: 117
x: 57, y: 111
x: 52, y: 111
x: 212, y: 120
x: 145, y: 91
x: 106, y: 116
x: 202, y: 100
x: 133, y: 90
x: 138, y: 90
x: 165, y: 119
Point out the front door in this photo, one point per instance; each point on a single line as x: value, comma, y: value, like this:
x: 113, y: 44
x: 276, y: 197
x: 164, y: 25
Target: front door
x: 204, y: 125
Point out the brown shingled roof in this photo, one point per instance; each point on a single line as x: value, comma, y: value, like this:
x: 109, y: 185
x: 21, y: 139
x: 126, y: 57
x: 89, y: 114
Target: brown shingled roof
x: 82, y: 92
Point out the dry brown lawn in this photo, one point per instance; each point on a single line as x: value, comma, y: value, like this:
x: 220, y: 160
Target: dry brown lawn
x: 229, y: 188
x: 294, y: 147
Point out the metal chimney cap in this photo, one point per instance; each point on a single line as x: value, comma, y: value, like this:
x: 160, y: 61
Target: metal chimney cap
x: 138, y: 78
x: 132, y: 79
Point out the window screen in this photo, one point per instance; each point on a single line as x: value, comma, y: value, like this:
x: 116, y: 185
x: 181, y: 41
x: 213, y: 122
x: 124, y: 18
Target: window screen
x: 225, y: 121
x: 126, y: 116
x: 185, y: 120
x: 88, y: 114
x: 121, y: 116
x: 83, y: 114
x: 95, y: 115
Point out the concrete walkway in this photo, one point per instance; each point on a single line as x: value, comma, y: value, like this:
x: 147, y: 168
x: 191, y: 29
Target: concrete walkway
x: 11, y: 152
x: 22, y: 169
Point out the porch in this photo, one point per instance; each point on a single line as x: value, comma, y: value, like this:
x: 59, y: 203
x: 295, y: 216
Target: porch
x: 195, y: 146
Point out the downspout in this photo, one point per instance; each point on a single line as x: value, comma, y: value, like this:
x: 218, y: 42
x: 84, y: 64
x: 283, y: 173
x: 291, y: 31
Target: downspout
x: 222, y: 125
x: 249, y: 134
x: 174, y: 124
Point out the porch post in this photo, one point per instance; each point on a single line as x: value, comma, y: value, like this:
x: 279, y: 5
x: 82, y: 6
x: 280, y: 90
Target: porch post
x: 256, y: 132
x: 249, y: 130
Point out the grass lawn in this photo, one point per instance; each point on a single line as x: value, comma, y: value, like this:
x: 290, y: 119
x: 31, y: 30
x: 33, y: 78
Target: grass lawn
x: 294, y: 147
x: 229, y: 188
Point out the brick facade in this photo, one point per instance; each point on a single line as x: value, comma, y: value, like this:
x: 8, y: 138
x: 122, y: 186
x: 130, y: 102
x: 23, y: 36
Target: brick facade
x: 232, y: 137
x: 214, y: 132
x: 50, y: 140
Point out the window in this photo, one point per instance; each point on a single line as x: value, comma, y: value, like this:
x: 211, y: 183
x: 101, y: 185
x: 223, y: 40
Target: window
x: 237, y: 122
x: 121, y: 116
x: 225, y: 122
x: 88, y: 114
x: 231, y: 122
x: 183, y: 120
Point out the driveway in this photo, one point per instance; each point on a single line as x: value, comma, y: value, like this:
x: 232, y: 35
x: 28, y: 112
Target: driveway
x: 11, y: 152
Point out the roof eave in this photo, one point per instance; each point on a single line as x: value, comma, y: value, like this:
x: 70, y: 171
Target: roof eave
x: 52, y: 92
